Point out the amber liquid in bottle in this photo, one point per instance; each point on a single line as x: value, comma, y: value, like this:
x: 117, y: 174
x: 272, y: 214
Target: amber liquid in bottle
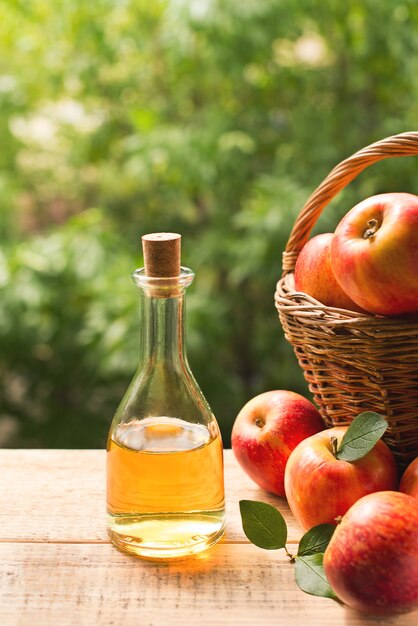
x: 165, y: 487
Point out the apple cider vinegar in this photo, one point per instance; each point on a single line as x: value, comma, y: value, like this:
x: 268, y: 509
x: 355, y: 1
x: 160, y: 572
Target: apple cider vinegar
x: 165, y: 487
x: 165, y: 482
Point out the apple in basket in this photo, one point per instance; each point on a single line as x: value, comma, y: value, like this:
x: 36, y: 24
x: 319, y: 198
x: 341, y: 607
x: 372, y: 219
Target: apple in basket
x: 409, y: 481
x: 374, y: 254
x: 315, y: 277
x: 371, y: 561
x: 328, y: 472
x: 266, y: 431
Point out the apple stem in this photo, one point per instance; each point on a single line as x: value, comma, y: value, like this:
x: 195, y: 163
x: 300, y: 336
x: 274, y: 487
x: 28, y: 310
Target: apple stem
x: 373, y: 225
x: 258, y: 422
x: 334, y: 444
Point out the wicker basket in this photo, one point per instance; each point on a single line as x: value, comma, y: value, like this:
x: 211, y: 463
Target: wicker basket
x: 351, y: 361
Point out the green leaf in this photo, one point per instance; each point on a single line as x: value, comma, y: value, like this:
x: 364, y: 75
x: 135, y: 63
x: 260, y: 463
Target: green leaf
x: 316, y: 539
x: 263, y: 524
x: 362, y: 434
x: 310, y: 576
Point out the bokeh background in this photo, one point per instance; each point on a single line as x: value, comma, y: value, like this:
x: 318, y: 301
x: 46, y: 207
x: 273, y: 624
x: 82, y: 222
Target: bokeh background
x: 215, y: 119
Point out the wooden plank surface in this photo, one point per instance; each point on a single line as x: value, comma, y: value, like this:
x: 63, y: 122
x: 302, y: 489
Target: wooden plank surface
x: 93, y: 584
x: 57, y: 566
x: 59, y: 495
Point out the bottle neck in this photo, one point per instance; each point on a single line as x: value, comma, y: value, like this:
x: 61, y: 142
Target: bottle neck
x: 162, y: 331
x: 162, y: 321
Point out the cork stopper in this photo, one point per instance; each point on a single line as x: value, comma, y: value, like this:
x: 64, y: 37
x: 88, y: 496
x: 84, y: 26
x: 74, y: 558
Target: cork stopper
x: 161, y: 254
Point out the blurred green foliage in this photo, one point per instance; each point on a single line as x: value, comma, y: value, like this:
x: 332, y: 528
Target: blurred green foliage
x: 215, y: 119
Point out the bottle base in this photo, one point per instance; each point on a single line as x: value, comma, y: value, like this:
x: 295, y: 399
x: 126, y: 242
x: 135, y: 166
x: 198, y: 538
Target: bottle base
x: 165, y: 536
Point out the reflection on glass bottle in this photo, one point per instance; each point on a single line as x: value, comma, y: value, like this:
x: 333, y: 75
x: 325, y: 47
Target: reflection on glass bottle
x: 165, y: 489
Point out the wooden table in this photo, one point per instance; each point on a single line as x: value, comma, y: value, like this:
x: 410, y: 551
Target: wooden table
x: 57, y: 566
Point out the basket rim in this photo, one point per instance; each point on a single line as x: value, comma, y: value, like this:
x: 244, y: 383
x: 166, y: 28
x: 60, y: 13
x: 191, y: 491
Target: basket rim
x: 297, y: 303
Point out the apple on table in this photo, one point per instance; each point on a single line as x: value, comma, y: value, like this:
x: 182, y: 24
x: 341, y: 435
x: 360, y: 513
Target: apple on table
x: 409, y: 480
x: 371, y: 561
x: 266, y: 431
x: 320, y: 487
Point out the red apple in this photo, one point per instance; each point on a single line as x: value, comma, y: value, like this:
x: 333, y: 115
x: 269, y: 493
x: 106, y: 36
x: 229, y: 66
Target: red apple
x: 409, y: 481
x: 374, y: 254
x: 266, y: 431
x: 371, y: 561
x: 320, y: 488
x: 315, y: 277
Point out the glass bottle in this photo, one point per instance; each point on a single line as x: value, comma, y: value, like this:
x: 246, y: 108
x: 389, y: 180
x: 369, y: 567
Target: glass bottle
x: 165, y: 486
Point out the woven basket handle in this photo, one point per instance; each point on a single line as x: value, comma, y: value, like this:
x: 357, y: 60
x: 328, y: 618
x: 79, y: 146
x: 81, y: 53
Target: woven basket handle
x: 405, y: 144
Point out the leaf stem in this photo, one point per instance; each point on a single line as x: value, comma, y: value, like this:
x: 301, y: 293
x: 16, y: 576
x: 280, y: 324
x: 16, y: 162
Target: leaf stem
x: 291, y: 556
